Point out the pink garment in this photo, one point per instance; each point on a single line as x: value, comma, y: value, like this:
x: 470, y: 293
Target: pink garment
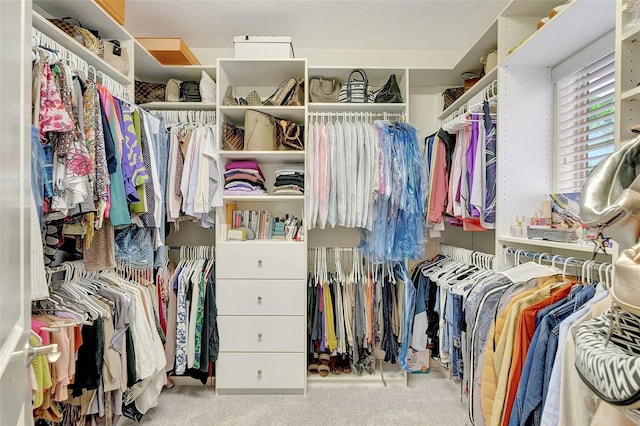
x: 37, y: 326
x: 53, y: 116
x: 439, y: 187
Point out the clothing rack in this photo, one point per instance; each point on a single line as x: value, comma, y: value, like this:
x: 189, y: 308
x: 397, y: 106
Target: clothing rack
x: 369, y: 116
x: 194, y: 252
x: 474, y: 104
x: 174, y: 117
x: 470, y: 257
x: 584, y: 268
x: 40, y: 40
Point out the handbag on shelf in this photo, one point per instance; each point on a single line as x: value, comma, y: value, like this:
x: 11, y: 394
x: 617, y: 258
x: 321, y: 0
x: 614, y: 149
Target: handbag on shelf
x: 233, y: 137
x: 71, y: 29
x: 115, y: 55
x: 356, y: 91
x: 282, y: 94
x: 190, y: 91
x: 259, y: 132
x: 253, y: 99
x: 321, y: 90
x: 288, y: 135
x: 228, y: 99
x: 172, y: 93
x: 390, y: 92
x: 297, y: 96
x: 146, y: 92
x: 450, y: 95
x: 608, y: 347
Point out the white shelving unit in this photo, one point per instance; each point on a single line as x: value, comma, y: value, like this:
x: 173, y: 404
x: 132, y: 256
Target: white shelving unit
x: 272, y: 270
x: 587, y: 248
x: 627, y: 74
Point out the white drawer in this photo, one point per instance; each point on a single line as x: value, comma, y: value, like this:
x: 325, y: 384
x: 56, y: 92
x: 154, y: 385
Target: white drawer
x: 261, y: 297
x: 261, y: 260
x: 262, y: 334
x: 260, y: 371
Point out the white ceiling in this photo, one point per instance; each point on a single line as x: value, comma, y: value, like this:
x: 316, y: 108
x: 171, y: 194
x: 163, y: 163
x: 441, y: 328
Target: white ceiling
x: 320, y: 24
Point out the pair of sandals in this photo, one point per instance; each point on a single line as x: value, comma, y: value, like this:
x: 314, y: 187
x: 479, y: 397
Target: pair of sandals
x: 323, y: 364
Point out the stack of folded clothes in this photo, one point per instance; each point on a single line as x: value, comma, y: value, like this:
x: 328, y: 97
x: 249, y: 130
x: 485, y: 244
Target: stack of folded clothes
x: 244, y: 178
x: 289, y: 180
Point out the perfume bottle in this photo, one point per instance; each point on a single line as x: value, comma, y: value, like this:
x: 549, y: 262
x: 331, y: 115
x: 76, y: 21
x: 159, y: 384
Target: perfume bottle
x: 519, y: 229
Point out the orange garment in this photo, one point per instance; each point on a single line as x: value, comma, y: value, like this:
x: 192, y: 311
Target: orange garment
x: 524, y: 335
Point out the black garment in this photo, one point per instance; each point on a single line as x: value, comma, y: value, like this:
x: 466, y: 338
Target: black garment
x: 450, y: 144
x: 109, y: 144
x: 289, y: 180
x: 132, y: 373
x: 89, y: 359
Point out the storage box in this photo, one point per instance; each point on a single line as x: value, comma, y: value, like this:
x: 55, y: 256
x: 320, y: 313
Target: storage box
x: 169, y: 51
x: 552, y: 234
x: 263, y: 47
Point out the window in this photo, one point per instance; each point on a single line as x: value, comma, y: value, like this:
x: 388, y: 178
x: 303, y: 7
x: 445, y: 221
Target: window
x: 585, y: 122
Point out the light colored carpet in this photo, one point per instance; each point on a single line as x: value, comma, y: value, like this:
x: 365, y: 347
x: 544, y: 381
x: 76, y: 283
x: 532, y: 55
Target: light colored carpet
x: 429, y: 399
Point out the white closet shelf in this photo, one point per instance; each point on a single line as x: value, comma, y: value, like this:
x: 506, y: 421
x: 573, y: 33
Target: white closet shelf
x: 251, y: 72
x: 236, y: 113
x: 631, y: 34
x: 356, y: 107
x: 266, y: 157
x: 485, y: 81
x: 179, y: 106
x: 265, y: 198
x: 89, y: 13
x: 149, y: 69
x: 550, y: 244
x: 582, y: 22
x: 631, y: 94
x: 41, y: 23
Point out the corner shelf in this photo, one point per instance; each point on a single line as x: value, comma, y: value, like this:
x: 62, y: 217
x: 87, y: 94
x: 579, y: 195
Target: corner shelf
x: 41, y: 23
x: 587, y: 248
x: 485, y: 81
x: 631, y: 34
x: 149, y: 69
x: 179, y: 106
x: 535, y: 51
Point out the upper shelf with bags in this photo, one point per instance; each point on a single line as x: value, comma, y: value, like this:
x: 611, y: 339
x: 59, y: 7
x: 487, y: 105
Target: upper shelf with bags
x: 86, y: 30
x: 276, y: 87
x: 349, y: 89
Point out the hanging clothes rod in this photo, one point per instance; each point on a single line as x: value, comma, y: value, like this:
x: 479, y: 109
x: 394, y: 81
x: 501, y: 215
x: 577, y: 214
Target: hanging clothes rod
x: 470, y: 257
x: 399, y: 116
x: 572, y: 261
x: 174, y: 117
x: 489, y: 94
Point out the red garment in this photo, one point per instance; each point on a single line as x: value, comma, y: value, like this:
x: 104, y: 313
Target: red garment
x: 525, y: 331
x: 37, y: 326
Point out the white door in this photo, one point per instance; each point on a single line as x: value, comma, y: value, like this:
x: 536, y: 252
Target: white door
x: 15, y: 148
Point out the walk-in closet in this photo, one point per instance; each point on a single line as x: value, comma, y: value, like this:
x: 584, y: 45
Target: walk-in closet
x: 300, y: 212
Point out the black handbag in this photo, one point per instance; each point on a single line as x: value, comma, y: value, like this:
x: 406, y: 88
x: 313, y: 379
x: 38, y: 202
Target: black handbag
x: 390, y: 92
x: 190, y: 91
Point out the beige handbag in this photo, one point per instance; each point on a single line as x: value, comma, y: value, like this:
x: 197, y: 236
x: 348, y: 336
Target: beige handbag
x: 172, y: 93
x: 258, y: 131
x: 324, y: 90
x: 115, y: 55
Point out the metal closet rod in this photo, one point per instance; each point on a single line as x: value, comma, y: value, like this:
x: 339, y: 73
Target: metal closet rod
x: 549, y: 257
x: 358, y: 114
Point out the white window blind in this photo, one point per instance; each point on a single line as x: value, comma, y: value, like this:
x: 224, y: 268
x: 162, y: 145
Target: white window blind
x: 584, y: 122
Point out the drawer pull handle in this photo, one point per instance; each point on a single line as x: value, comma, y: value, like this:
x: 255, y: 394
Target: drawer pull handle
x: 259, y: 262
x: 259, y: 299
x: 259, y: 335
x: 259, y: 372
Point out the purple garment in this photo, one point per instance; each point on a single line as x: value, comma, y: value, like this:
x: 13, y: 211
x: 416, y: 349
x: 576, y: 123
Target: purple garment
x: 133, y: 170
x: 244, y: 191
x: 244, y: 165
x: 470, y: 155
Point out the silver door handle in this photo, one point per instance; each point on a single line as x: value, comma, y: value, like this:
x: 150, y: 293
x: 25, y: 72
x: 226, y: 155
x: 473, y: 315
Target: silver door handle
x: 50, y: 351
